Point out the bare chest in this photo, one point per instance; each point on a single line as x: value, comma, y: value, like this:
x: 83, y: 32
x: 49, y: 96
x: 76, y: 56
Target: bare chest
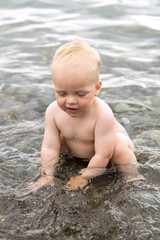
x: 78, y: 130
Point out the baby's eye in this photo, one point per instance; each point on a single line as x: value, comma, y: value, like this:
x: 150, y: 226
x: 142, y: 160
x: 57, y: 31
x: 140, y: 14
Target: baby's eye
x: 81, y: 94
x: 62, y: 94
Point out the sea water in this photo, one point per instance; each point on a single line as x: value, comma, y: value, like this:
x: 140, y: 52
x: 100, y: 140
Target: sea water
x: 126, y: 33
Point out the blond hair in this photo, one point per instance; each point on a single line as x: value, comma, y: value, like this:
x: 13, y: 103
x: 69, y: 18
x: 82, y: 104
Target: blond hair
x: 75, y: 53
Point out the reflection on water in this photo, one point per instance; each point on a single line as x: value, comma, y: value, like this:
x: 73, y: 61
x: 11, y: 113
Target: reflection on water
x: 126, y: 34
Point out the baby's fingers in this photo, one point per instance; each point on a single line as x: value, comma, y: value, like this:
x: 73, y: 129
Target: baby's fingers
x: 76, y: 182
x: 41, y: 182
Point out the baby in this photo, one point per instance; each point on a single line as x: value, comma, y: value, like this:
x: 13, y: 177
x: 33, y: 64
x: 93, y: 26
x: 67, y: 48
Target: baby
x: 79, y: 122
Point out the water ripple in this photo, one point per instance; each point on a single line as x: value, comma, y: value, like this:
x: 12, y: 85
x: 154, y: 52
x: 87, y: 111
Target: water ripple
x: 126, y: 34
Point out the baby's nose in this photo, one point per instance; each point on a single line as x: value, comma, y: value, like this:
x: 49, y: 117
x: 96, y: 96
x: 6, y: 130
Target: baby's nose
x: 71, y: 99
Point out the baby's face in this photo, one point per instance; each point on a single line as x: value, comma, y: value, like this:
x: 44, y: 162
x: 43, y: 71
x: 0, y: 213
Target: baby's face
x: 75, y: 90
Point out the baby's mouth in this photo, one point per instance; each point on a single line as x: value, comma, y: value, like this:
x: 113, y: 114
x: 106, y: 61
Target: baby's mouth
x: 72, y: 110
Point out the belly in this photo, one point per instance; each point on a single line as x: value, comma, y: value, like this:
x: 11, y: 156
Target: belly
x: 81, y: 149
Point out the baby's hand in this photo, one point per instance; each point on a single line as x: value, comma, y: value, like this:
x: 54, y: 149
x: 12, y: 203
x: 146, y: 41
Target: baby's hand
x: 44, y: 180
x: 76, y: 182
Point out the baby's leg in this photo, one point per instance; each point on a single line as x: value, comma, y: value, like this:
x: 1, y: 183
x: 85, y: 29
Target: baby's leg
x: 64, y: 147
x: 124, y: 158
x: 123, y: 150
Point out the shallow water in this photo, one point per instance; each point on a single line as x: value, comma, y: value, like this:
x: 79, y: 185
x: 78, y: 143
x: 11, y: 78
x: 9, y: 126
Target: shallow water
x: 127, y: 36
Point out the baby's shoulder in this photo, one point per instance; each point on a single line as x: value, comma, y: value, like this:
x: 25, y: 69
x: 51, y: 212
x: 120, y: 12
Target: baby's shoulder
x: 51, y: 109
x: 52, y: 106
x: 103, y: 108
x: 105, y: 116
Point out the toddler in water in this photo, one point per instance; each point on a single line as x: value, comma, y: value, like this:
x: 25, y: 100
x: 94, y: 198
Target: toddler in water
x: 79, y: 122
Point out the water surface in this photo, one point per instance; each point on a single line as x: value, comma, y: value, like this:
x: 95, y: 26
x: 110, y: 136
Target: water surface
x: 127, y: 36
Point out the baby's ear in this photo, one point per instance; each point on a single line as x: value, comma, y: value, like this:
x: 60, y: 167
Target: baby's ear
x: 98, y: 88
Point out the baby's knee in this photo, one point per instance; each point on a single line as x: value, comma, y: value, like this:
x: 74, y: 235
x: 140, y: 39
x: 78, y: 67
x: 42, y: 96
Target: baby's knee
x: 123, y: 150
x: 122, y: 144
x: 119, y: 145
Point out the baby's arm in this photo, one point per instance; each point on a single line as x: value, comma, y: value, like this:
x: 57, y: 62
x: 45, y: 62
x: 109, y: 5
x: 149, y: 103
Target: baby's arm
x: 104, y: 146
x: 50, y: 149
